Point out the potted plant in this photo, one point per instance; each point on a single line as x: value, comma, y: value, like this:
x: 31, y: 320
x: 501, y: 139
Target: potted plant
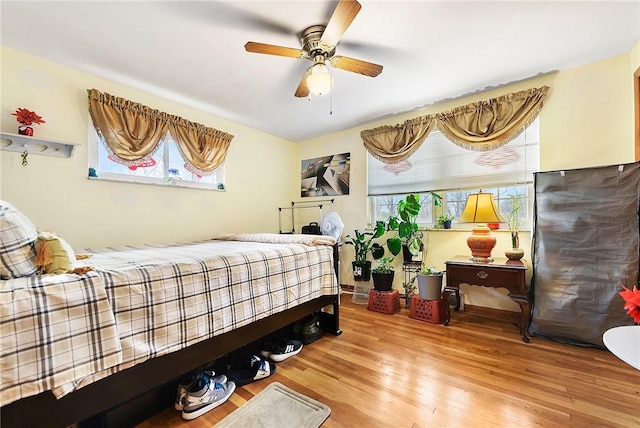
x: 383, y: 274
x: 430, y: 283
x: 363, y: 244
x: 409, y: 288
x: 444, y: 221
x: 409, y: 234
x: 515, y: 252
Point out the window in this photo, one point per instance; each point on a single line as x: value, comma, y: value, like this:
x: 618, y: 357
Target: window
x: 165, y: 167
x: 453, y: 172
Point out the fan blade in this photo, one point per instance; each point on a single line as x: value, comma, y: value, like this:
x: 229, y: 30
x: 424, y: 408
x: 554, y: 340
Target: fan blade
x: 303, y: 90
x: 342, y: 17
x: 356, y: 66
x: 263, y: 48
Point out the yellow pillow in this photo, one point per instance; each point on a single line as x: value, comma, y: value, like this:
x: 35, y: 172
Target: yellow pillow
x: 62, y: 257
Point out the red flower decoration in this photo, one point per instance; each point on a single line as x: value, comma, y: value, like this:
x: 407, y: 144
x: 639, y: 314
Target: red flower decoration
x: 27, y: 117
x: 632, y: 302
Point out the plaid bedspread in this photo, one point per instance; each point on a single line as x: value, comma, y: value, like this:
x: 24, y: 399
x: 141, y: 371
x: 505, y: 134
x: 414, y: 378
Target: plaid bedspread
x: 53, y: 329
x: 167, y: 297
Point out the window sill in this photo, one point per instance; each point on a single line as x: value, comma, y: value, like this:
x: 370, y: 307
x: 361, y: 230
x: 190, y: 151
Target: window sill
x: 469, y: 229
x: 176, y: 184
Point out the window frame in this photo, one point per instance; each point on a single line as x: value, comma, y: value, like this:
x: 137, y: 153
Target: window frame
x: 166, y: 181
x: 526, y: 213
x: 499, y: 187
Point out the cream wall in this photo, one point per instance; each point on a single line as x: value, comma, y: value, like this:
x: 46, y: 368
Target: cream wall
x: 587, y: 120
x: 55, y: 193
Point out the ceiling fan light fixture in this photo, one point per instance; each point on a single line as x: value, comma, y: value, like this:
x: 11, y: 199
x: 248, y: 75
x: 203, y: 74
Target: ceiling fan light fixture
x: 319, y: 79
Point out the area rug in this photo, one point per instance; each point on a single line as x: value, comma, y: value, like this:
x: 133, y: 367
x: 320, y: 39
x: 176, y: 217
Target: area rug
x: 275, y: 407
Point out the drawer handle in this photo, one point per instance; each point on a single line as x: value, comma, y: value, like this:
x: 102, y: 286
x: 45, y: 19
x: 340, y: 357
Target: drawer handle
x: 482, y: 274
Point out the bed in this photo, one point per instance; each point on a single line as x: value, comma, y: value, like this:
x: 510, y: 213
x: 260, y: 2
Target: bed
x: 132, y: 320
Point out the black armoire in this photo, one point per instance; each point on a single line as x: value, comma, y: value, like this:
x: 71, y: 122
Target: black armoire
x: 586, y: 244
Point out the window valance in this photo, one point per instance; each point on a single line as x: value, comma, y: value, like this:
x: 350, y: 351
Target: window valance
x: 479, y: 126
x: 133, y: 132
x: 393, y: 144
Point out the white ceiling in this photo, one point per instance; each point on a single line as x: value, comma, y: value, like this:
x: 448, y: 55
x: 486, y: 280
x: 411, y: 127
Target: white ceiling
x: 193, y: 52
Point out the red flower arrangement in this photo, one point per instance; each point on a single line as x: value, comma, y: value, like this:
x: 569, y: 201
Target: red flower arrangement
x: 632, y: 302
x: 27, y: 117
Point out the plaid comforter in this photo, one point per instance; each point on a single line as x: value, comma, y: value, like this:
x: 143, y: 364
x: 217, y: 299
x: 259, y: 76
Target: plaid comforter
x: 162, y: 298
x: 54, y: 329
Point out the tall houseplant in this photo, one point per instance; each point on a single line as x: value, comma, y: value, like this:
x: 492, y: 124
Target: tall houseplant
x: 408, y: 231
x: 363, y: 245
x: 515, y: 252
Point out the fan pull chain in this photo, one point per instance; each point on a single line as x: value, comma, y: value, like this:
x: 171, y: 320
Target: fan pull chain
x: 331, y: 98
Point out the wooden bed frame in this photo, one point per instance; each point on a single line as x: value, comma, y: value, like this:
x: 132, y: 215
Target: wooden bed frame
x: 133, y: 395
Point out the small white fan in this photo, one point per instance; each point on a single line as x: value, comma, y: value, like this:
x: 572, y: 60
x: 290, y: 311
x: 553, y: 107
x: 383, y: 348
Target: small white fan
x: 331, y: 225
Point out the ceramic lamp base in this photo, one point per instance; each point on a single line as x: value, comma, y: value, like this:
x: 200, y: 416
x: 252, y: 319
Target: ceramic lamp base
x: 481, y: 242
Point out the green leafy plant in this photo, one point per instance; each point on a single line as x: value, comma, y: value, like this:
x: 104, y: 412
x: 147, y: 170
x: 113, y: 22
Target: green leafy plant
x: 430, y: 270
x: 408, y: 231
x: 443, y: 218
x: 363, y: 242
x: 409, y: 287
x: 405, y: 226
x: 384, y: 265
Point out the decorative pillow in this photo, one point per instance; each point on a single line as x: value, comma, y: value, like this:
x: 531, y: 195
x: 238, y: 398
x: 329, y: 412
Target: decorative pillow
x: 17, y: 237
x: 60, y: 257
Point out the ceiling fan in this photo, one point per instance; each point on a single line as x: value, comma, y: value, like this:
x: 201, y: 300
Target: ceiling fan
x: 319, y: 45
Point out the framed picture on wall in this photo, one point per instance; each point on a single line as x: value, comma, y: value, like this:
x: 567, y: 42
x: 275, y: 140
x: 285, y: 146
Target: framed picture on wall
x: 325, y: 176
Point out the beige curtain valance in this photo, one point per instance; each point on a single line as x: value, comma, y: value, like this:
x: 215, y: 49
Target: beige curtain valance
x: 486, y: 125
x: 393, y: 144
x: 483, y: 125
x: 133, y: 132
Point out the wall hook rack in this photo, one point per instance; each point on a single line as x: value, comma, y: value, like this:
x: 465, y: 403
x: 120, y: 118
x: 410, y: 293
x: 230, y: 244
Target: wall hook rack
x: 36, y: 146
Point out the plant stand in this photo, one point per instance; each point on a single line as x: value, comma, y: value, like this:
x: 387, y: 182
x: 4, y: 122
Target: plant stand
x: 432, y: 311
x: 410, y: 271
x: 387, y: 302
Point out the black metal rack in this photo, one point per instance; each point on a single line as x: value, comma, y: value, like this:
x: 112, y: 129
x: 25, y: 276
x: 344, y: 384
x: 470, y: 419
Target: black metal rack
x: 316, y: 203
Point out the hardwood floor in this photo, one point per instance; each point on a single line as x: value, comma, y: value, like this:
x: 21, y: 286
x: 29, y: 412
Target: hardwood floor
x: 393, y: 371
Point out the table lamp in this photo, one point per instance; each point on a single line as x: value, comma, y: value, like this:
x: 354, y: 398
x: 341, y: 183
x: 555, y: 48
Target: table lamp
x: 481, y: 208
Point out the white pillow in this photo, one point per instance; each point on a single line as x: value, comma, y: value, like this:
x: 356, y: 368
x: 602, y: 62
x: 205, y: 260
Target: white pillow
x: 17, y: 238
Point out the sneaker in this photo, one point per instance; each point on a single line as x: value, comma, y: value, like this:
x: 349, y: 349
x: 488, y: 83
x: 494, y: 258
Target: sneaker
x: 204, y: 395
x: 282, y: 349
x: 253, y: 369
x: 304, y: 322
x: 186, y: 382
x: 310, y: 333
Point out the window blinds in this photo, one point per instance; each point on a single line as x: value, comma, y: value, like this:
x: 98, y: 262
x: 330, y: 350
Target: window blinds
x: 439, y: 164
